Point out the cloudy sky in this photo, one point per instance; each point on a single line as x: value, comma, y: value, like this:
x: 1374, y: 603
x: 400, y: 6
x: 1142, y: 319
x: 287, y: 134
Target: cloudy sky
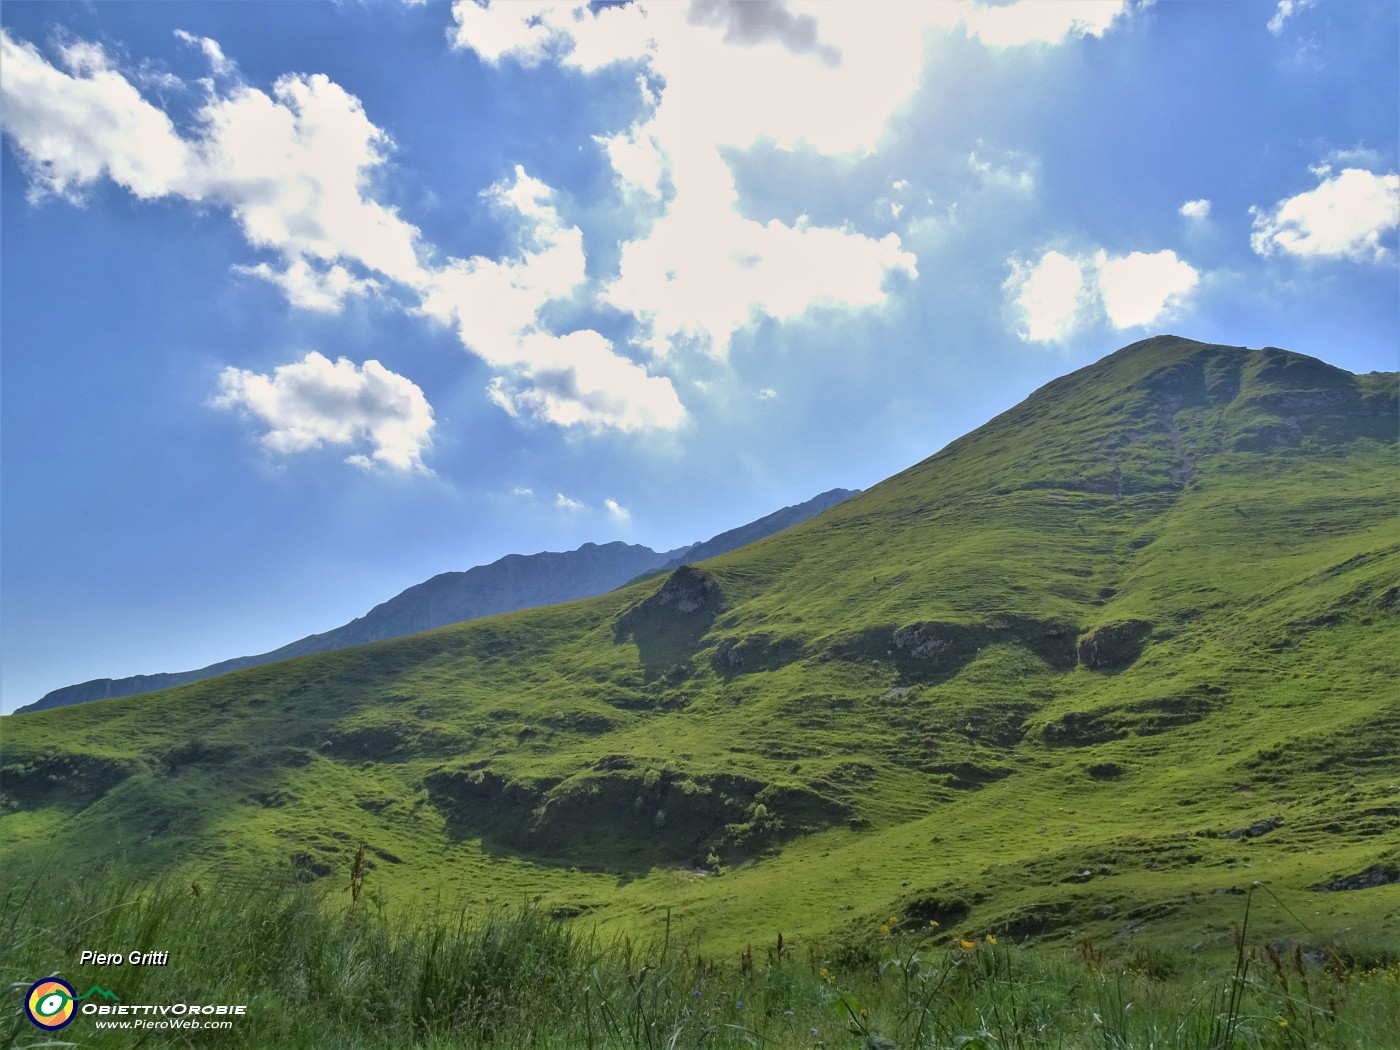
x: 304, y: 303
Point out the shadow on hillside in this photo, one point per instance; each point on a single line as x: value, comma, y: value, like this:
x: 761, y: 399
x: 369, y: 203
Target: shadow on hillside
x: 669, y: 626
x: 625, y: 820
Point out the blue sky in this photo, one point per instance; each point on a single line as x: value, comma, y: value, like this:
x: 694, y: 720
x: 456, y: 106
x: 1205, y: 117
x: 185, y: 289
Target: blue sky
x: 304, y: 303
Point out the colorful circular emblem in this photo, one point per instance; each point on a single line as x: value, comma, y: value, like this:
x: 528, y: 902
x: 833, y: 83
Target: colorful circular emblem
x: 50, y: 1004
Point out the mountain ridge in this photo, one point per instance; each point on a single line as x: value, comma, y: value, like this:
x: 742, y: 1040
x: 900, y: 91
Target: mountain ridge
x: 515, y: 581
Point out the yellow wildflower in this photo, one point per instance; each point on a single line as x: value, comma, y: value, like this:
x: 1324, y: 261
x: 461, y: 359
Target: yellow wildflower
x: 991, y: 939
x: 884, y: 927
x: 933, y: 922
x: 967, y: 945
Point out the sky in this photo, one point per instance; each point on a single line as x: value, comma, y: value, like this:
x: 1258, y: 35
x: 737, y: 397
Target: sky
x: 304, y: 303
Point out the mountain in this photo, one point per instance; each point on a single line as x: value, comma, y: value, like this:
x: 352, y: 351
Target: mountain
x: 1089, y: 671
x: 517, y: 581
x: 757, y: 530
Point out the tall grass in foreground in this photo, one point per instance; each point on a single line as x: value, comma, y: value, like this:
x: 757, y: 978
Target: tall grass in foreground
x: 316, y: 972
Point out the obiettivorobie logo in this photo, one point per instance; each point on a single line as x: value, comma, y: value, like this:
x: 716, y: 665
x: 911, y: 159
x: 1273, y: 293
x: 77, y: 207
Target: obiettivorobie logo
x: 52, y: 1004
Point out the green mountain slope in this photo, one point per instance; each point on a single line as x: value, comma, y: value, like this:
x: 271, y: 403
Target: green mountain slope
x: 1090, y: 669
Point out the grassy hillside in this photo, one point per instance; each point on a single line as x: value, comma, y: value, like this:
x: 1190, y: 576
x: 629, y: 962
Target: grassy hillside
x: 1091, y: 670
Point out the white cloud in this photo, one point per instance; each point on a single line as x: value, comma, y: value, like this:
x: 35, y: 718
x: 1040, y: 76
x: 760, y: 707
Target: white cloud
x: 577, y: 379
x: 1345, y: 216
x: 1041, y: 21
x: 827, y: 76
x: 704, y: 273
x: 1049, y: 295
x: 1286, y: 9
x: 636, y: 159
x: 1357, y: 156
x: 293, y: 167
x: 315, y: 402
x: 704, y: 270
x: 528, y: 31
x: 521, y: 490
x: 1014, y: 179
x: 73, y: 128
x: 495, y: 303
x: 617, y: 510
x: 310, y: 288
x: 563, y: 502
x: 1059, y: 295
x: 1139, y: 288
x: 1197, y: 209
x: 766, y: 394
x: 219, y: 63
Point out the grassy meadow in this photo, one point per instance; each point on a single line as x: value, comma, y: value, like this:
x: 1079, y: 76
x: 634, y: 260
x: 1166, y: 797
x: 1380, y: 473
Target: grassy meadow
x: 317, y: 970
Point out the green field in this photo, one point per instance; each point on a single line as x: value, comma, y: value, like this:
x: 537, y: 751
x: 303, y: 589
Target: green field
x: 314, y: 970
x: 1091, y: 671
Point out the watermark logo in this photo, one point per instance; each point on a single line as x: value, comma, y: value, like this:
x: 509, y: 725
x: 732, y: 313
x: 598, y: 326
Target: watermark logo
x: 52, y: 1004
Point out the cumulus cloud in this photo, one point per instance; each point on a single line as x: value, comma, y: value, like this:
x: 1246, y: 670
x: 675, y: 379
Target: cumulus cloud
x: 1041, y: 22
x: 576, y: 379
x: 1016, y: 176
x: 295, y: 168
x: 636, y: 159
x: 749, y: 22
x: 219, y: 63
x: 572, y: 31
x: 292, y: 167
x: 1197, y: 209
x: 617, y: 510
x: 703, y: 274
x: 563, y: 502
x: 579, y: 380
x: 308, y: 287
x: 1346, y: 216
x: 1286, y: 9
x: 704, y: 271
x: 1139, y: 288
x: 73, y: 128
x: 1049, y: 295
x: 1058, y: 295
x: 315, y: 402
x: 494, y: 303
x: 822, y: 76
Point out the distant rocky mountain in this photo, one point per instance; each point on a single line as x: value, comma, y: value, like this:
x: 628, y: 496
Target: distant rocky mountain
x: 757, y: 530
x: 517, y: 581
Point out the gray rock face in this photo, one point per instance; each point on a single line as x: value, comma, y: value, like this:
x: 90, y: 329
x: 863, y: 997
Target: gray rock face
x: 1375, y: 875
x: 1114, y: 645
x: 921, y: 643
x: 517, y: 581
